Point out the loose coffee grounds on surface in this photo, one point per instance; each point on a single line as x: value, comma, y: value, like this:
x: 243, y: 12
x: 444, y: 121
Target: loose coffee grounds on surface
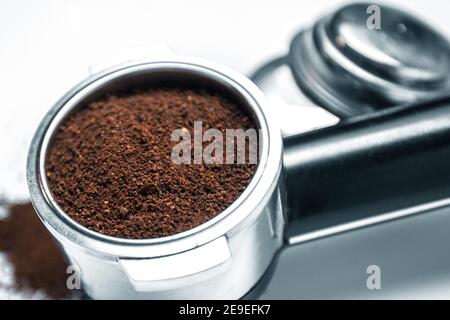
x: 110, y: 168
x: 37, y: 261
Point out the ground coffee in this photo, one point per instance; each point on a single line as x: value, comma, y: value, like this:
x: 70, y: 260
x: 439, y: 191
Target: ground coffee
x: 110, y: 167
x: 37, y: 261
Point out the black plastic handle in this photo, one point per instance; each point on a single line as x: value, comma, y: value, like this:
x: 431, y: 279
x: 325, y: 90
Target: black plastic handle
x: 367, y: 166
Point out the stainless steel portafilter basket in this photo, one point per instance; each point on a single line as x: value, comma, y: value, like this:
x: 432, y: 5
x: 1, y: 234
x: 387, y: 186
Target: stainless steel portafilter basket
x: 224, y: 257
x: 385, y: 160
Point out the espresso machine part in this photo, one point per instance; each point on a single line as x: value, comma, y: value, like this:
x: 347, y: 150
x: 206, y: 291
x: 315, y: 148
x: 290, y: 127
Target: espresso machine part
x: 351, y: 69
x: 379, y: 163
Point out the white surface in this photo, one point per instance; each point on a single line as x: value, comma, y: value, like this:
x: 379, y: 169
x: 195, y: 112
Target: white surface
x: 46, y: 47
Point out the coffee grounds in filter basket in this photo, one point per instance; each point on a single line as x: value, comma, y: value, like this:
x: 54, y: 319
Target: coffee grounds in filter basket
x: 110, y: 168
